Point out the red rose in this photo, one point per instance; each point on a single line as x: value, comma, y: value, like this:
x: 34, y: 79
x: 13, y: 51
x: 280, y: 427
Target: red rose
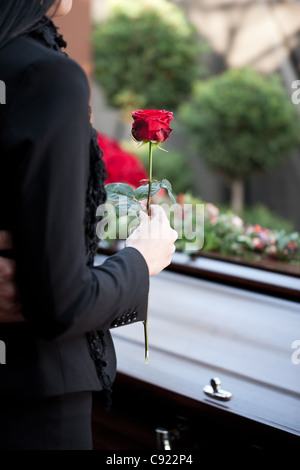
x: 121, y: 166
x: 151, y: 125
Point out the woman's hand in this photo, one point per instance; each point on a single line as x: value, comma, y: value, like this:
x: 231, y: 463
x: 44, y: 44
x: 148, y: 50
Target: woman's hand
x: 10, y: 307
x: 154, y: 239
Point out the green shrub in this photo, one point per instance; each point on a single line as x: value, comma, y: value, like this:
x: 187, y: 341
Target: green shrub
x: 261, y: 215
x: 146, y: 55
x: 241, y: 122
x: 227, y: 234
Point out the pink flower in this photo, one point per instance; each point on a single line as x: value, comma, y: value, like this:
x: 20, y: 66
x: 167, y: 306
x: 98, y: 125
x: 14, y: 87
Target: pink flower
x: 257, y: 244
x: 271, y: 250
x: 212, y: 212
x: 237, y: 221
x: 180, y: 199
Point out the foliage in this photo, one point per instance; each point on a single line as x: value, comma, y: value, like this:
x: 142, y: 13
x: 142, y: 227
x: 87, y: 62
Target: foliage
x: 129, y: 201
x: 241, y: 122
x: 226, y: 234
x: 259, y: 234
x: 146, y: 55
x: 261, y: 215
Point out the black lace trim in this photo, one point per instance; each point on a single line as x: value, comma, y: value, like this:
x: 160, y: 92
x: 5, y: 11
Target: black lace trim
x: 47, y: 33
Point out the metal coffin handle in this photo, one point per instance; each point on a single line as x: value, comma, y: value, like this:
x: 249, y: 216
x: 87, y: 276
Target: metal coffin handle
x: 163, y: 439
x: 214, y: 390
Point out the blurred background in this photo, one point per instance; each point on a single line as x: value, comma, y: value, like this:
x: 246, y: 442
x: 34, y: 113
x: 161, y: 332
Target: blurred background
x: 228, y: 70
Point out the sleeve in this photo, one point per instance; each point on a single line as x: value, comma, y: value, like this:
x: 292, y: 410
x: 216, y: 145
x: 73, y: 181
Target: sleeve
x: 50, y: 132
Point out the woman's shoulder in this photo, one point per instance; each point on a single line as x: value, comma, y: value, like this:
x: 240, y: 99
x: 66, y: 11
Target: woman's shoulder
x: 24, y: 56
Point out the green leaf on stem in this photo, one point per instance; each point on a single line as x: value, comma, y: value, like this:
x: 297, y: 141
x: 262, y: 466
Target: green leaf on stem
x: 165, y: 184
x: 115, y: 190
x: 160, y: 148
x: 127, y: 207
x: 142, y: 191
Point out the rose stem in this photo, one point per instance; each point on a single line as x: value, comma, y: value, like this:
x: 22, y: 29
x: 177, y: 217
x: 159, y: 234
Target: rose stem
x: 150, y: 175
x: 145, y: 323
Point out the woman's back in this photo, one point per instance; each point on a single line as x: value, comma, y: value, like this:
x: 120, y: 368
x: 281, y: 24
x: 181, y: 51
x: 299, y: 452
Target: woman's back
x: 36, y: 79
x: 44, y: 167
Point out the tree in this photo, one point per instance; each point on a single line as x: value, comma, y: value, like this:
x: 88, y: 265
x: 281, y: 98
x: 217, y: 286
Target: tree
x: 241, y: 122
x: 146, y: 55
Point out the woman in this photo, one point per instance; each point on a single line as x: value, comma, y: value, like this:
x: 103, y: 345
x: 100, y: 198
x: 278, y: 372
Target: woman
x: 51, y: 181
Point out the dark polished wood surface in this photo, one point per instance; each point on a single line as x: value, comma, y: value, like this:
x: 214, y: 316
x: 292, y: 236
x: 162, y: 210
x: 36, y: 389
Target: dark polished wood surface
x: 258, y: 277
x: 139, y: 409
x: 198, y: 329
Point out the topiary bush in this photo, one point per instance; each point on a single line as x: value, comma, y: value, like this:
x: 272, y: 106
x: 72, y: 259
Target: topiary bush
x: 241, y: 122
x: 146, y: 55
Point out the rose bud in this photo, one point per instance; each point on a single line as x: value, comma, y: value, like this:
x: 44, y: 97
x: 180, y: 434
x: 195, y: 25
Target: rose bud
x: 151, y: 125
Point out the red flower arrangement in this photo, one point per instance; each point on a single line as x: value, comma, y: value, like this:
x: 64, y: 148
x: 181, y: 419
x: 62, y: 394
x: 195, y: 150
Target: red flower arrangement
x: 121, y: 166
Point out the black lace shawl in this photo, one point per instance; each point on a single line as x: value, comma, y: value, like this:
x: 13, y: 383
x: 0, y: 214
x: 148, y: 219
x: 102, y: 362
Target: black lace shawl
x: 47, y: 33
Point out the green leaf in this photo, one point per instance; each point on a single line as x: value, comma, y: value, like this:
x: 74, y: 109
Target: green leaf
x: 165, y: 184
x: 142, y: 191
x: 115, y: 190
x: 160, y: 148
x: 126, y: 207
x: 172, y: 197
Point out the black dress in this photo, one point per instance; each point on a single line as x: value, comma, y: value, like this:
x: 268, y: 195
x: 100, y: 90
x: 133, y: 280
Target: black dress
x: 44, y: 171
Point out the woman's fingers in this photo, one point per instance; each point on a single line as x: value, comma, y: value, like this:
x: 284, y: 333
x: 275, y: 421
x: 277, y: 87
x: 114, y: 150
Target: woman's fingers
x: 154, y: 238
x: 143, y: 217
x: 157, y: 211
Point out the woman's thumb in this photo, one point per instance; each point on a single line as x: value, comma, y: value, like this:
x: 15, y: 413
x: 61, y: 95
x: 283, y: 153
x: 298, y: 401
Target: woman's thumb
x: 143, y: 217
